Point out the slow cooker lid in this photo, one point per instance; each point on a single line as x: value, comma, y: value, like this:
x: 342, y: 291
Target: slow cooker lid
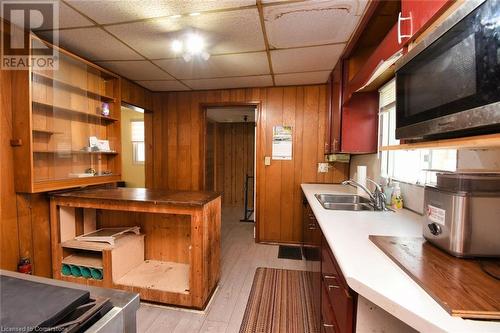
x: 468, y: 182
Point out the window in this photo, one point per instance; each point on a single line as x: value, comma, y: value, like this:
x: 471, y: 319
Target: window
x: 138, y: 147
x: 411, y: 166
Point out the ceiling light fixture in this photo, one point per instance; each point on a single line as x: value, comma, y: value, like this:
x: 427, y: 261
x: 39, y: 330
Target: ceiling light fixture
x: 194, y: 14
x: 192, y: 46
x: 175, y: 16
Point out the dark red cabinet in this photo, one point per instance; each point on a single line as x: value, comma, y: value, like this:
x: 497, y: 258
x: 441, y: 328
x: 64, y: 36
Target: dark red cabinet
x: 360, y: 123
x: 417, y: 15
x: 334, y: 102
x: 338, y: 301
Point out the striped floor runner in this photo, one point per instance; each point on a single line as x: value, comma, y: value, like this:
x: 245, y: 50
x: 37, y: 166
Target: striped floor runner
x: 280, y: 301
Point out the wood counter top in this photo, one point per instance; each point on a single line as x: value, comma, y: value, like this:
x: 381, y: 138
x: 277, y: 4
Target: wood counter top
x: 181, y: 198
x: 462, y: 286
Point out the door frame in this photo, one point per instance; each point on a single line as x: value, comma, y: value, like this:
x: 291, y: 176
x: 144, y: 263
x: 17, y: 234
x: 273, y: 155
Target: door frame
x: 203, y: 150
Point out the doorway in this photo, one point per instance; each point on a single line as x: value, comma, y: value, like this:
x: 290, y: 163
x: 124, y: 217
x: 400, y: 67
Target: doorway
x: 133, y: 146
x: 230, y: 158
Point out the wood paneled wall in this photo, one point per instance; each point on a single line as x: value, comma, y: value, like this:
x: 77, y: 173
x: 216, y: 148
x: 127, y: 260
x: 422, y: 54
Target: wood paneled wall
x: 9, y: 240
x: 234, y: 159
x: 134, y: 94
x: 176, y: 154
x: 24, y: 228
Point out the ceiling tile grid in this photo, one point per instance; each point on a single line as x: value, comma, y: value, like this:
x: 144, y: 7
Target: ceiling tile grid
x: 136, y: 70
x: 113, y: 11
x: 133, y: 38
x: 162, y: 85
x: 224, y: 32
x: 231, y: 82
x: 242, y: 64
x: 306, y: 59
x: 308, y: 23
x: 94, y: 44
x: 292, y: 79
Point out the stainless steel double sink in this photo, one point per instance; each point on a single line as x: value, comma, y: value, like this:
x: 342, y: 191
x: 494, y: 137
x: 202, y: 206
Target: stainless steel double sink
x: 349, y: 202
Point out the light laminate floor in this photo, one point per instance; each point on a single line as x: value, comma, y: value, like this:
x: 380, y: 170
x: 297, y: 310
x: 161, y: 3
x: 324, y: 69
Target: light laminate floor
x: 240, y: 256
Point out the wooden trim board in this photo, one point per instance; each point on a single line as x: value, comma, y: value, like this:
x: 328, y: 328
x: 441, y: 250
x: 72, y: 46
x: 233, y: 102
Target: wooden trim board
x: 459, y: 285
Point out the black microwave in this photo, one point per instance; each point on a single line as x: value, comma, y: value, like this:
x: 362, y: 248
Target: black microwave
x: 448, y: 85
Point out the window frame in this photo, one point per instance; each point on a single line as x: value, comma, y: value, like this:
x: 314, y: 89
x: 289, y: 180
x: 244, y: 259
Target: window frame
x: 137, y: 143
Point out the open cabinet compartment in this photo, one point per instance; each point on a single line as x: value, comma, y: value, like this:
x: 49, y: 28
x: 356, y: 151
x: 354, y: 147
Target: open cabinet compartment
x: 155, y: 264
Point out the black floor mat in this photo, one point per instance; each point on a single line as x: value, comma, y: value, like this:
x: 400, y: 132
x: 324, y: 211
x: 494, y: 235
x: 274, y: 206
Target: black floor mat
x: 289, y: 252
x: 311, y: 253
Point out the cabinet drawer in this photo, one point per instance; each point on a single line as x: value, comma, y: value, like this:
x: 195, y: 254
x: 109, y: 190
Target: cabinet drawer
x: 328, y: 324
x: 329, y: 267
x: 341, y: 302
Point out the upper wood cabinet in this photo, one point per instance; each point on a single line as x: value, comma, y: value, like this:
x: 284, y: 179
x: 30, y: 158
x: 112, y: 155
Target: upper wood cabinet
x: 360, y: 123
x: 333, y: 126
x: 56, y: 112
x: 417, y: 15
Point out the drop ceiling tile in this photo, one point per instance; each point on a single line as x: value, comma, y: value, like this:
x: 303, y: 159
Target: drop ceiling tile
x: 113, y: 11
x: 224, y: 32
x: 310, y: 22
x: 305, y: 59
x: 301, y: 78
x: 361, y: 7
x: 217, y: 66
x: 69, y: 18
x: 136, y: 70
x: 231, y: 82
x: 93, y: 44
x: 162, y: 85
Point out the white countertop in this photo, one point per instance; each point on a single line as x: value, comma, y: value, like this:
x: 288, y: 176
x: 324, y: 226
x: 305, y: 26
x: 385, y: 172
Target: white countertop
x: 372, y: 274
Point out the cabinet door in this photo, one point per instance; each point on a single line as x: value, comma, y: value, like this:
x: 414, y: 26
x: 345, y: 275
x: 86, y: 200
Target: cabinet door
x: 360, y: 123
x: 328, y: 125
x: 328, y: 324
x: 310, y: 227
x: 417, y: 15
x: 336, y: 109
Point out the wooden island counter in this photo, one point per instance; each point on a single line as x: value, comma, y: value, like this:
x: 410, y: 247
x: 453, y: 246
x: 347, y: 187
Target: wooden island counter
x: 174, y: 260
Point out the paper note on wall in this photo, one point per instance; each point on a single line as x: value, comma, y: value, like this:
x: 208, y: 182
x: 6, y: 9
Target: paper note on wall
x: 282, y: 142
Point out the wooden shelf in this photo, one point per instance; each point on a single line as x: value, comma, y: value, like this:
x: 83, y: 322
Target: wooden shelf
x: 59, y: 184
x: 86, y: 260
x: 74, y: 112
x: 45, y: 131
x: 158, y: 275
x: 48, y: 78
x: 75, y: 152
x: 479, y: 141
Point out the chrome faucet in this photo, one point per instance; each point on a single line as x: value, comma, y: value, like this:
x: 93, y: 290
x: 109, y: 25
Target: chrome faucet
x: 377, y: 197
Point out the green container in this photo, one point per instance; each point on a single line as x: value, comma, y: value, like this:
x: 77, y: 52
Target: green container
x: 96, y: 273
x: 85, y: 272
x: 76, y: 271
x: 66, y: 269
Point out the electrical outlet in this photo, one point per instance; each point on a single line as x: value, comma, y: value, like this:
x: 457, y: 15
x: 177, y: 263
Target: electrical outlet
x: 323, y: 167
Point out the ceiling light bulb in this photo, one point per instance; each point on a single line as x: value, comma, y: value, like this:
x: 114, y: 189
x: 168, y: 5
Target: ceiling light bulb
x: 177, y: 46
x: 194, y: 44
x: 187, y: 57
x: 205, y: 56
x: 194, y: 14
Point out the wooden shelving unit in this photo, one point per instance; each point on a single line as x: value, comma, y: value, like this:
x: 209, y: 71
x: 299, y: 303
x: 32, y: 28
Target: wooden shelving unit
x: 175, y: 260
x: 62, y: 83
x: 479, y: 141
x: 58, y: 109
x: 56, y: 113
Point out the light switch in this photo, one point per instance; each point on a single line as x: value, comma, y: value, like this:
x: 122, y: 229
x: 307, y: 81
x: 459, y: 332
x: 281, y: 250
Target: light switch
x: 267, y: 160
